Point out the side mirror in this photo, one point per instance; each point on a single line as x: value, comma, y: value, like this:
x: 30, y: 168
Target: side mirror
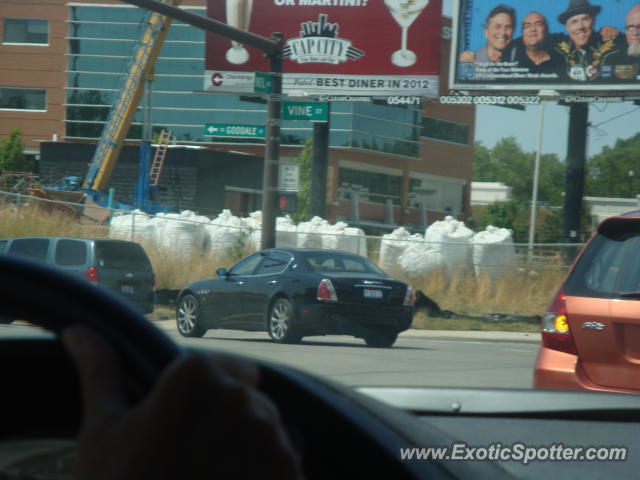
x: 222, y: 272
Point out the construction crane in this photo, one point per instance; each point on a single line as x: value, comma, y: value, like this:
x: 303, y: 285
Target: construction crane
x: 122, y: 112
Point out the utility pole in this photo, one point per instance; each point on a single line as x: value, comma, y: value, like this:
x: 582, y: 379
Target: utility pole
x: 576, y: 161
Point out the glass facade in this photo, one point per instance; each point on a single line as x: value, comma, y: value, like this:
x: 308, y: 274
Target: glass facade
x: 437, y: 129
x: 372, y: 187
x: 101, y: 40
x: 26, y: 30
x: 23, y: 99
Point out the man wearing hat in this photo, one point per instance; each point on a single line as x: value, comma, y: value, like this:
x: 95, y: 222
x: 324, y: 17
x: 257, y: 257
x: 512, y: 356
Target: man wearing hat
x: 585, y: 52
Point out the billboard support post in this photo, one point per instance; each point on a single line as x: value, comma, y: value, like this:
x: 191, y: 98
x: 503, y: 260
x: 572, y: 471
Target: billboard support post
x: 270, y: 192
x: 319, y: 165
x: 576, y: 160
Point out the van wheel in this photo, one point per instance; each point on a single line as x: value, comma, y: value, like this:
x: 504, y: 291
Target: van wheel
x: 188, y: 317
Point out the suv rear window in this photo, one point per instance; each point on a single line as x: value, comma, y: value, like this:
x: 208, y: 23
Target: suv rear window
x: 122, y: 256
x: 71, y: 253
x: 609, y: 266
x: 34, y: 248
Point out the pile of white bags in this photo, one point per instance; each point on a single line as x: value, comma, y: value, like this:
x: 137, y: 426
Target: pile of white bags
x: 135, y: 226
x: 394, y: 244
x: 224, y: 232
x: 286, y: 232
x: 309, y: 233
x: 453, y: 240
x: 493, y: 251
x: 181, y: 233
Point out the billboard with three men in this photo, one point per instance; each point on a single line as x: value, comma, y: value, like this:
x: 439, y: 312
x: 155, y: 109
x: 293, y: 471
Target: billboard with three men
x: 565, y: 45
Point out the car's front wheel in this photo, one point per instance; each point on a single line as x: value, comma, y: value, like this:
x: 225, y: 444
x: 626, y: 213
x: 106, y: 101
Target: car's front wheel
x: 381, y: 339
x: 188, y: 317
x: 281, y: 322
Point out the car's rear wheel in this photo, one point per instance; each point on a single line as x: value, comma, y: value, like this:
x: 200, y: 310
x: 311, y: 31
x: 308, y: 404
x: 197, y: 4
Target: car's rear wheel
x: 381, y: 339
x: 281, y: 322
x: 188, y: 317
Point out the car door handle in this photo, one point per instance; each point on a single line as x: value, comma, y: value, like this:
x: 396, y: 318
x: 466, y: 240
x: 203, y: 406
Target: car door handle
x: 272, y: 282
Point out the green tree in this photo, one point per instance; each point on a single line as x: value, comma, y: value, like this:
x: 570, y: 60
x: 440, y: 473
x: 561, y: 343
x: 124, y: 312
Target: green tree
x: 615, y: 172
x: 513, y: 215
x: 304, y: 193
x: 12, y: 157
x: 506, y: 162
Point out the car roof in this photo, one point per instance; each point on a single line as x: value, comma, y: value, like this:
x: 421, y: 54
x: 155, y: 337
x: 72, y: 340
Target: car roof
x: 307, y: 250
x: 67, y: 238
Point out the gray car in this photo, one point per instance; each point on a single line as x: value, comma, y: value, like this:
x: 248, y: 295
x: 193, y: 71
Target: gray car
x: 117, y: 265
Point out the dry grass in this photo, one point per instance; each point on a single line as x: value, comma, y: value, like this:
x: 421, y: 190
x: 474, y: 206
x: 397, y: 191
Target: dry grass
x: 518, y: 292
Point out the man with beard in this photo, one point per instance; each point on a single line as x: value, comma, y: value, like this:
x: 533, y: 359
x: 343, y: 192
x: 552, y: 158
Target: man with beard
x: 627, y: 61
x: 586, y: 54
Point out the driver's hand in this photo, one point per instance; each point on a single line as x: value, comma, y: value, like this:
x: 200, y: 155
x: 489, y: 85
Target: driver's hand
x: 203, y: 419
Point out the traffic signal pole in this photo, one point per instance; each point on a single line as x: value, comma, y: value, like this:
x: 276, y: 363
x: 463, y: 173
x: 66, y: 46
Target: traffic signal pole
x: 272, y: 48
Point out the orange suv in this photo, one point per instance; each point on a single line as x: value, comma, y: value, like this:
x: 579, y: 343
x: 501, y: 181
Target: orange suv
x: 591, y: 330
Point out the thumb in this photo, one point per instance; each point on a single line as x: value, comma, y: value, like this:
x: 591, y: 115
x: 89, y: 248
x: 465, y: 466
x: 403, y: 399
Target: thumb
x: 100, y: 371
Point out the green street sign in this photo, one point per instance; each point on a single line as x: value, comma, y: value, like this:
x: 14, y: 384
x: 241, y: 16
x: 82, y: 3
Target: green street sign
x: 314, y: 111
x: 262, y: 83
x: 237, y: 131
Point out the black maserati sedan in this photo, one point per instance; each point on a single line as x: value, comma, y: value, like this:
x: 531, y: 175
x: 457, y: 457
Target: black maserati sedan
x: 295, y: 292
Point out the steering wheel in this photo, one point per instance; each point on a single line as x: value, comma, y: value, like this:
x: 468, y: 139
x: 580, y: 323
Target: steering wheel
x: 343, y: 433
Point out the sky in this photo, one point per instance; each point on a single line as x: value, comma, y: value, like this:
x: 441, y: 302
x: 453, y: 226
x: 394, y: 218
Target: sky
x: 494, y: 123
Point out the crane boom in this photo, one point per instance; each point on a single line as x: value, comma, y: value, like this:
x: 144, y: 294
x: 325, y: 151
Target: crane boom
x: 127, y: 99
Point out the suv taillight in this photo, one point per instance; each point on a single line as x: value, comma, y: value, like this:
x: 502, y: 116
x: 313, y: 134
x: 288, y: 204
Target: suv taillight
x: 92, y: 274
x: 410, y: 297
x: 556, y: 333
x: 326, y: 291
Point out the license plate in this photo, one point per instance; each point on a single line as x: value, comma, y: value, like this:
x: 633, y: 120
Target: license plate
x: 372, y: 293
x: 126, y: 289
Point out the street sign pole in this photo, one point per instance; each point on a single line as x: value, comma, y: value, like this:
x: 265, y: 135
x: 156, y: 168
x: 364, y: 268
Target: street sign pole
x: 272, y: 148
x: 319, y: 165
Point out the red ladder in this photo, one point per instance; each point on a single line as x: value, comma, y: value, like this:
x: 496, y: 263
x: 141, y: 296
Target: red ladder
x: 158, y: 158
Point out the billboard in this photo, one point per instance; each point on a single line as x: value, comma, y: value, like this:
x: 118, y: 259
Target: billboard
x: 564, y: 45
x: 332, y: 47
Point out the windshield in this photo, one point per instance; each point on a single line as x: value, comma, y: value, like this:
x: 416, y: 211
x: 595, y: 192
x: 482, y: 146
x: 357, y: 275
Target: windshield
x: 428, y: 202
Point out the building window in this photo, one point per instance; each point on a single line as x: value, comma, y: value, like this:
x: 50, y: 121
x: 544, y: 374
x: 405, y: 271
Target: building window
x: 437, y: 129
x: 23, y: 99
x: 371, y: 187
x: 26, y: 30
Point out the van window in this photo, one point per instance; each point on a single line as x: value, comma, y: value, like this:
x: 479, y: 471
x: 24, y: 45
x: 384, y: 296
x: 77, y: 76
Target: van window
x: 71, y: 253
x: 34, y: 248
x: 122, y: 256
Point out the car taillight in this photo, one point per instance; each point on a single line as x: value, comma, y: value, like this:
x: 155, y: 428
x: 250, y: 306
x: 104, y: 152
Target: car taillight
x: 556, y: 333
x: 153, y: 280
x: 410, y: 297
x: 326, y: 291
x: 92, y: 274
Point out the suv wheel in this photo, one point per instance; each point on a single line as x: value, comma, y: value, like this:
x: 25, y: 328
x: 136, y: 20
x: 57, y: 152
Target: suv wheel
x: 188, y: 318
x: 381, y: 339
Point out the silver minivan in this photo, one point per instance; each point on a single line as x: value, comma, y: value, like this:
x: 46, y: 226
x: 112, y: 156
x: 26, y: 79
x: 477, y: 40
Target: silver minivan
x: 118, y: 265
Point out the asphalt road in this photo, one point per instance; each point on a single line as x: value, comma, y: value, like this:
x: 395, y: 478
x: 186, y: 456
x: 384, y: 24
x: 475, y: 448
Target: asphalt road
x: 447, y: 359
